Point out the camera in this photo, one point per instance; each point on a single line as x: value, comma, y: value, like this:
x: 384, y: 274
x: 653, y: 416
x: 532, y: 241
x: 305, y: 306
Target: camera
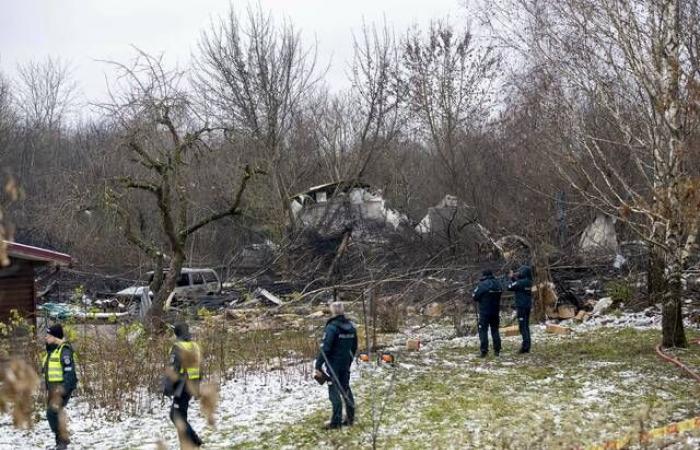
x: 320, y: 377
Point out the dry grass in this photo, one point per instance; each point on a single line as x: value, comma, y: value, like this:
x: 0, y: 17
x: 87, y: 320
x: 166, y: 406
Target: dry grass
x: 121, y: 367
x: 19, y: 382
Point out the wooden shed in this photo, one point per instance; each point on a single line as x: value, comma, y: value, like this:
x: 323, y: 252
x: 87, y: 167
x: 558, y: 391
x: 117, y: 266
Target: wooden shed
x: 17, y: 288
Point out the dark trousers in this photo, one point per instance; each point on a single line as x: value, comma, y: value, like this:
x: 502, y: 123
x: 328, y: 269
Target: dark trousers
x: 524, y: 326
x: 339, y: 392
x: 487, y: 321
x: 178, y: 413
x: 54, y: 409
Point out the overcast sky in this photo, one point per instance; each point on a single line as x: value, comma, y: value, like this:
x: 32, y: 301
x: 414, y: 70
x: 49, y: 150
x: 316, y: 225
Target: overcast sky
x: 83, y: 31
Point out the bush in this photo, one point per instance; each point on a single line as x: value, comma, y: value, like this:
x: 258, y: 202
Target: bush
x: 390, y: 314
x: 621, y: 291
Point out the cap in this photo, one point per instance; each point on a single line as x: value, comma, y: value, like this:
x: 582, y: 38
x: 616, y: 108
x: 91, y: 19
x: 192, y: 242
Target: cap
x: 56, y: 331
x: 182, y: 330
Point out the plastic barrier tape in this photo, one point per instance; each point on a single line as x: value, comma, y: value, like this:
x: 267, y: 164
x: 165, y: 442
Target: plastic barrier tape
x: 648, y: 436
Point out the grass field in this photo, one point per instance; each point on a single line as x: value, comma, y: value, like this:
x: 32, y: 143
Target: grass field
x: 578, y: 390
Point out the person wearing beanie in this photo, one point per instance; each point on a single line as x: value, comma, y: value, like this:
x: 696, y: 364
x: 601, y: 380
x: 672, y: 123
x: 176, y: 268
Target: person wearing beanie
x: 58, y: 368
x: 488, y: 295
x: 521, y: 284
x: 337, y: 352
x: 185, y: 359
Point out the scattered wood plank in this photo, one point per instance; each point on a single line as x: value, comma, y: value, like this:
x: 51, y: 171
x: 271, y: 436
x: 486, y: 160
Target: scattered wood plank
x: 558, y: 329
x: 510, y: 331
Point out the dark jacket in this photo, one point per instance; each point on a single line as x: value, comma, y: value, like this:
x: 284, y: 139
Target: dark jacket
x: 70, y: 377
x: 339, y: 345
x: 488, y: 295
x: 521, y: 284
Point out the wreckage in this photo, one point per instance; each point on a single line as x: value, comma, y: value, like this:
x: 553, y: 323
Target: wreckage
x: 333, y: 208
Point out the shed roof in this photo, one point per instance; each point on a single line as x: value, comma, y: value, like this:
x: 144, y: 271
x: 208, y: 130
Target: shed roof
x: 28, y: 252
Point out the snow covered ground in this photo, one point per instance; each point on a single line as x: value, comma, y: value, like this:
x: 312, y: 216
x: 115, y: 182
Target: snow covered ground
x: 596, y: 384
x: 247, y: 408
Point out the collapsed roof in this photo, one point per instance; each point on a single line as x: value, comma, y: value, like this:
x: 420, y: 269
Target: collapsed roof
x: 335, y: 207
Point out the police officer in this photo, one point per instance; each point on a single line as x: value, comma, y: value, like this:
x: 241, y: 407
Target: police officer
x: 185, y: 358
x: 334, y: 360
x: 521, y: 284
x: 61, y: 380
x: 488, y: 295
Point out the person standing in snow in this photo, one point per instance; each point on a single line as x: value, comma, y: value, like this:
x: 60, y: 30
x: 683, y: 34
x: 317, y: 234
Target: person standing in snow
x: 521, y: 284
x: 185, y: 359
x: 338, y: 349
x: 488, y: 295
x: 58, y: 367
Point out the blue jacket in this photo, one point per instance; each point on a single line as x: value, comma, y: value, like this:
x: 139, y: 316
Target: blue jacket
x: 521, y: 284
x: 339, y: 344
x: 488, y: 295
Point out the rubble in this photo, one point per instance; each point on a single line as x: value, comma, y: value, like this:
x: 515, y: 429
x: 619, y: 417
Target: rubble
x: 510, y: 331
x: 267, y: 295
x: 316, y: 315
x: 434, y: 310
x: 602, y: 306
x: 558, y: 329
x: 582, y: 316
x: 413, y: 344
x: 599, y: 236
x: 335, y: 207
x: 566, y: 312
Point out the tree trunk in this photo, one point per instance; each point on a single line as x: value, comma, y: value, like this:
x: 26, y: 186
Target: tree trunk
x: 155, y: 316
x: 672, y: 174
x: 672, y: 319
x: 656, y: 279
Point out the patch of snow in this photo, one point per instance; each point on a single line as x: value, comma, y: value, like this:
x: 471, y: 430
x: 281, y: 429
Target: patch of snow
x: 248, y: 407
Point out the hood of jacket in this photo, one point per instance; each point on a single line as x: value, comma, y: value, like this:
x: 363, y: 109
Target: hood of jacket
x: 341, y: 322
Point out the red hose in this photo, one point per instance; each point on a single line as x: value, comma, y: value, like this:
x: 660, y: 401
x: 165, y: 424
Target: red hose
x: 676, y: 362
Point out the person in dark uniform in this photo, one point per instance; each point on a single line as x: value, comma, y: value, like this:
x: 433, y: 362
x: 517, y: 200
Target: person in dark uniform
x: 58, y: 368
x: 337, y: 352
x: 521, y: 284
x: 488, y: 295
x: 185, y: 359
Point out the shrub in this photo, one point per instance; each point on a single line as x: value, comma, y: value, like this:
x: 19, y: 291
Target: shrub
x: 390, y: 314
x: 621, y: 291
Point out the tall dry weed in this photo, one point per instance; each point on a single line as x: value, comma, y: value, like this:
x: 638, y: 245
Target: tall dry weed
x: 120, y: 366
x: 208, y: 401
x: 20, y: 382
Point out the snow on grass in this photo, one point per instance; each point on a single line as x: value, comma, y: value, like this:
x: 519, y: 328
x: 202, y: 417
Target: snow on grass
x: 597, y: 384
x: 248, y: 407
x: 572, y: 390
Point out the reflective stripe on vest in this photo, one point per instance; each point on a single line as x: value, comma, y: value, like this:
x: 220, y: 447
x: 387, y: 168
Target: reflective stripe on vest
x: 54, y: 370
x: 193, y: 349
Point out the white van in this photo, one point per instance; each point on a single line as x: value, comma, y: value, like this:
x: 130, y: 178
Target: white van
x: 195, y: 282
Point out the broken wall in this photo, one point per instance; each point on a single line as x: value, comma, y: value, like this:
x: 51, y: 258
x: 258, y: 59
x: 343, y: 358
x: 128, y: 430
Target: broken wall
x: 599, y: 236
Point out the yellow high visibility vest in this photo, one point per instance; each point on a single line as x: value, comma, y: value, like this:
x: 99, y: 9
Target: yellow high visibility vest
x: 192, y: 348
x: 54, y: 370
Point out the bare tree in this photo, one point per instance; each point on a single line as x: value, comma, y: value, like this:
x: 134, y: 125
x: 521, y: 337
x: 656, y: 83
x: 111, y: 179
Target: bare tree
x: 7, y: 112
x: 45, y: 92
x: 256, y: 77
x: 163, y: 134
x: 621, y: 83
x: 355, y: 126
x: 449, y: 83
